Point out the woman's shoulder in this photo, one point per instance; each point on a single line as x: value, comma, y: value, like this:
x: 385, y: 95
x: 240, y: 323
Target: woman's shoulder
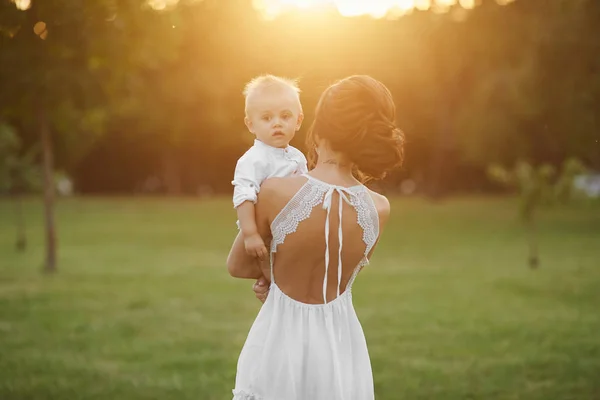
x: 282, y: 186
x: 276, y: 192
x: 382, y: 205
x: 379, y: 199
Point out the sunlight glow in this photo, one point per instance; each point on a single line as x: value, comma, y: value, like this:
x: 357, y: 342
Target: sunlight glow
x: 270, y: 9
x: 422, y: 5
x: 467, y: 4
x: 160, y: 5
x: 40, y: 29
x: 22, y: 4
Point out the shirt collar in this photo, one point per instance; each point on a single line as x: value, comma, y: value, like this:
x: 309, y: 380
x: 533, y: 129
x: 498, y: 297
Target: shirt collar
x: 271, y: 149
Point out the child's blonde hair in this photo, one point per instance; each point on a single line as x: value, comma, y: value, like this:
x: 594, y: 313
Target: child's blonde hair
x: 270, y: 81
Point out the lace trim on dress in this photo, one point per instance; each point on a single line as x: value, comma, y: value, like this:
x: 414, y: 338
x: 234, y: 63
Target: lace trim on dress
x: 295, y: 211
x: 310, y: 195
x: 358, y: 268
x: 313, y: 193
x: 367, y: 218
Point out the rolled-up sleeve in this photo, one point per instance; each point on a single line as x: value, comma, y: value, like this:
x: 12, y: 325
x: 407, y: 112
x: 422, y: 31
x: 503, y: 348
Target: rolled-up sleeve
x: 249, y: 174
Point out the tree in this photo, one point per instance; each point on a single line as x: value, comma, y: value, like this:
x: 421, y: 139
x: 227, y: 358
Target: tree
x: 18, y: 175
x: 537, y: 88
x: 50, y: 56
x: 536, y: 187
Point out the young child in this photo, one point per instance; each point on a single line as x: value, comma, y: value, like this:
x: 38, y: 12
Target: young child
x: 273, y: 115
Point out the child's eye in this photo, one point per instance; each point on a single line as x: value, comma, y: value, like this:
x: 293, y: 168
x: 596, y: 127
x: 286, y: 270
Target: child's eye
x: 266, y: 118
x: 286, y: 116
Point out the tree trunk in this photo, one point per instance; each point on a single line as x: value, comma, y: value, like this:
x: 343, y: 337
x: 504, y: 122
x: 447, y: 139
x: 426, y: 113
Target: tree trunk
x: 534, y: 258
x: 21, y: 242
x: 171, y: 173
x: 48, y: 172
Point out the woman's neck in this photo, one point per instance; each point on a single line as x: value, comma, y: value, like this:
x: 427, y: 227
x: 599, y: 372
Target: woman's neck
x: 333, y: 164
x: 332, y: 167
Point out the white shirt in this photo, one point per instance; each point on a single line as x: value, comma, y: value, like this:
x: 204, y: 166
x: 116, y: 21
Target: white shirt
x: 261, y: 162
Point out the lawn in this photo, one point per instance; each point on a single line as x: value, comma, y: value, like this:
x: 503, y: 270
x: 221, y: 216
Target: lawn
x: 143, y: 308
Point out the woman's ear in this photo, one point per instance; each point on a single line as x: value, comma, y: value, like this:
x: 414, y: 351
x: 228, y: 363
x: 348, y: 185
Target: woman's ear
x: 317, y: 141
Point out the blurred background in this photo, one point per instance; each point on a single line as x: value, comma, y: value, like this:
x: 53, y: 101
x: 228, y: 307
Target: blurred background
x: 120, y: 125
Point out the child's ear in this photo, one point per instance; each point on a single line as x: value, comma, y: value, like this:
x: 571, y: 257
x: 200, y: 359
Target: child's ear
x: 248, y: 123
x: 299, y: 123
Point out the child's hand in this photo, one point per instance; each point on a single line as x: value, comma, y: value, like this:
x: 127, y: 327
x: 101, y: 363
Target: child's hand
x: 255, y: 246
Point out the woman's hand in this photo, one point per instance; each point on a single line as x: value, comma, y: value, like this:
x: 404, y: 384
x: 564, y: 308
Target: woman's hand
x: 261, y: 289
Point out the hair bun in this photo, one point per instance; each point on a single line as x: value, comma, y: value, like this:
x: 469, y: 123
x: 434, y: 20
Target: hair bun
x: 356, y: 117
x: 377, y: 147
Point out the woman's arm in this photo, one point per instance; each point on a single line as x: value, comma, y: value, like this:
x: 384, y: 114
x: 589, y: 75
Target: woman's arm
x: 239, y: 263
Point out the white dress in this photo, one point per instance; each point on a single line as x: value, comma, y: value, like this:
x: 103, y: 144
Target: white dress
x: 299, y: 351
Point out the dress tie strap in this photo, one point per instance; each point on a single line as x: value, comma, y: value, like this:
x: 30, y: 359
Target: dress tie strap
x: 327, y: 200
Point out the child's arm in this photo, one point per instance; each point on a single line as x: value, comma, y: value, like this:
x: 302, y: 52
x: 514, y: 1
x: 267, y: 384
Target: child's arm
x: 253, y: 242
x: 240, y: 264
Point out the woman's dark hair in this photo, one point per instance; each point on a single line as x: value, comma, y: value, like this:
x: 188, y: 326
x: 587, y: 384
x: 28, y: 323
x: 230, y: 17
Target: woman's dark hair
x: 356, y: 117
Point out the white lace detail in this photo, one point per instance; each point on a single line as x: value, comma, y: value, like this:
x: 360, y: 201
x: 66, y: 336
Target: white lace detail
x: 295, y: 211
x: 310, y: 195
x: 367, y: 218
x: 358, y: 268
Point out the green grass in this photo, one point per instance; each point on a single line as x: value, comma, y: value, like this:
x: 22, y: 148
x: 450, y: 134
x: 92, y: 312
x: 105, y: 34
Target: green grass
x: 143, y: 308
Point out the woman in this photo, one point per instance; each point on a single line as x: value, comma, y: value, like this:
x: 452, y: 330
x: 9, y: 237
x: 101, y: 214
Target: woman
x: 306, y: 342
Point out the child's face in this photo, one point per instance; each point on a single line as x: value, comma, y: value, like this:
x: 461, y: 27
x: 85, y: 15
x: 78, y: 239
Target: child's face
x: 274, y: 117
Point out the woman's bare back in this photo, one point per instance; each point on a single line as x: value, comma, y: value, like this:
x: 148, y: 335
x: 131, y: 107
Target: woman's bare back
x: 307, y: 341
x: 299, y: 261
